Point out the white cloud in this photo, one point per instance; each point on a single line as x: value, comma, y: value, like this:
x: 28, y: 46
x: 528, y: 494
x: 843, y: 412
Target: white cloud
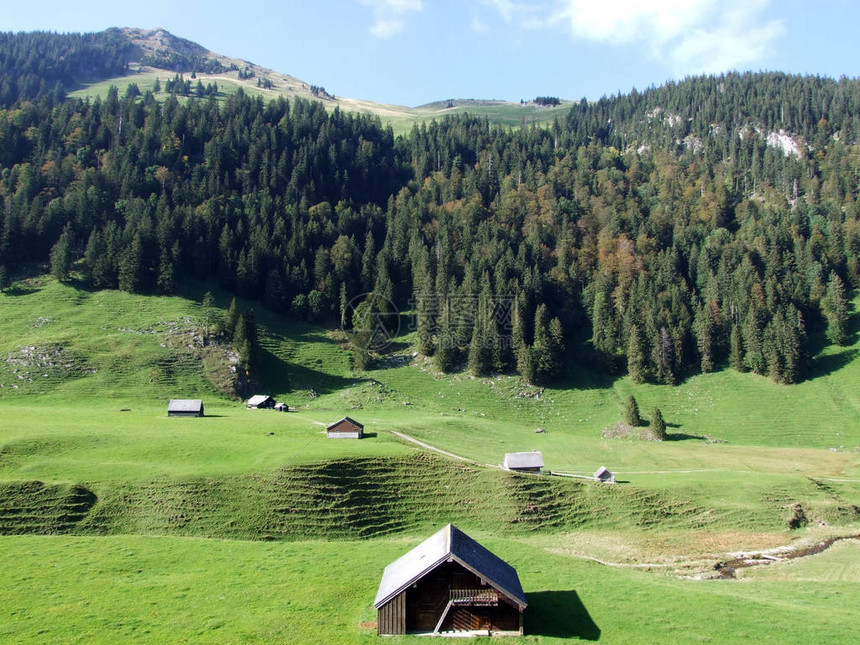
x: 389, y: 16
x: 693, y: 35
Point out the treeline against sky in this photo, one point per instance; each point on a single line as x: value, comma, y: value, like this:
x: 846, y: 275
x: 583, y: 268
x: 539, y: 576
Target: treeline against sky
x: 664, y: 233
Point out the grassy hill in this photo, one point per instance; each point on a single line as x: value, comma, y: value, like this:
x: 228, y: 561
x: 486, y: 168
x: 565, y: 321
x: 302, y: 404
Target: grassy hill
x: 118, y: 523
x: 255, y: 80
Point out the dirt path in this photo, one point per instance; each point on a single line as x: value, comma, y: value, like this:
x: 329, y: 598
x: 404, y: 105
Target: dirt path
x: 427, y: 446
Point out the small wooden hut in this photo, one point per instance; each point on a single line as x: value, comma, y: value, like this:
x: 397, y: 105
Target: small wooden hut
x: 346, y: 428
x: 260, y: 402
x: 185, y: 408
x: 450, y: 583
x: 526, y: 462
x: 603, y: 475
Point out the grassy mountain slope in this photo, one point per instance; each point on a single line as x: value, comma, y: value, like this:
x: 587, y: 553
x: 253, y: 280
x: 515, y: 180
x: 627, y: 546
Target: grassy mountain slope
x: 256, y: 80
x: 128, y: 525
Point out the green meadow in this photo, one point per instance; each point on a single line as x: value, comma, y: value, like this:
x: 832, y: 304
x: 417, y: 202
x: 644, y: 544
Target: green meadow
x: 119, y: 524
x: 400, y: 118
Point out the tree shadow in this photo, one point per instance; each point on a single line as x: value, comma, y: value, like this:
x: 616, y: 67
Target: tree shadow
x: 19, y: 289
x: 283, y: 377
x: 559, y: 614
x: 826, y: 364
x: 683, y: 436
x: 829, y: 363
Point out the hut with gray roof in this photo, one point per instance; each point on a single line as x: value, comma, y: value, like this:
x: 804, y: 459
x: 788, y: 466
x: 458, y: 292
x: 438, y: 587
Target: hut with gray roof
x: 604, y: 475
x: 185, y: 408
x: 528, y: 462
x: 450, y: 584
x: 260, y: 402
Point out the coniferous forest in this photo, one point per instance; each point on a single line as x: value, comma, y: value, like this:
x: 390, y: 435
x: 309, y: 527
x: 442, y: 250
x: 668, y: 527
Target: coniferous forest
x: 706, y: 223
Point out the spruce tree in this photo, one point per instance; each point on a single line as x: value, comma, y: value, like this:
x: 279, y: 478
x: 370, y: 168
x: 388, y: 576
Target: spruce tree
x: 636, y: 366
x: 480, y: 359
x: 835, y: 306
x: 131, y: 269
x: 445, y: 356
x: 231, y: 317
x: 658, y: 426
x: 736, y: 350
x: 61, y: 256
x: 631, y: 412
x: 208, y: 305
x: 4, y: 278
x: 526, y: 364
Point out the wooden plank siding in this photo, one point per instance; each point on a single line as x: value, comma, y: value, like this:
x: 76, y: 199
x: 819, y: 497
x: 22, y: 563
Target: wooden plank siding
x: 392, y: 616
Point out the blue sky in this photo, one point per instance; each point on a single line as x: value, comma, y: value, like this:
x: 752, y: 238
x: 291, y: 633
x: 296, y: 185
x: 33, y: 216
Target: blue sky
x: 411, y: 52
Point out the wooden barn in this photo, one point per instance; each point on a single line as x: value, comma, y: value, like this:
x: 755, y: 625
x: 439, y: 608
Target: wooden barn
x: 260, y: 402
x: 450, y: 584
x: 527, y: 462
x: 185, y: 408
x: 603, y: 475
x: 346, y: 428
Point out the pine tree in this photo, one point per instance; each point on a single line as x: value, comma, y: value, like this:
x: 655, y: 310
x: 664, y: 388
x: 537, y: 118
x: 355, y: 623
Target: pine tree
x: 556, y: 348
x: 631, y: 412
x: 636, y: 366
x: 61, y: 256
x: 526, y: 364
x: 4, y: 278
x: 368, y: 264
x: 445, y: 357
x: 835, y: 306
x: 658, y: 426
x: 704, y: 326
x: 736, y: 350
x: 480, y: 359
x: 208, y: 305
x: 131, y: 269
x: 231, y: 317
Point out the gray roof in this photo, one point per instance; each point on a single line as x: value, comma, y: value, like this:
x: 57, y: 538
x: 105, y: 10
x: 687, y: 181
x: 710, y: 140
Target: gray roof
x: 257, y: 399
x: 449, y: 544
x: 352, y: 421
x: 185, y: 405
x: 524, y: 459
x: 603, y: 471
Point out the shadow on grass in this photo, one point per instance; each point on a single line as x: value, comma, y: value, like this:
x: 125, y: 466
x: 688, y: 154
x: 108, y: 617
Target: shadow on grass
x: 559, y: 614
x: 829, y: 363
x: 20, y: 290
x: 281, y: 376
x: 683, y: 436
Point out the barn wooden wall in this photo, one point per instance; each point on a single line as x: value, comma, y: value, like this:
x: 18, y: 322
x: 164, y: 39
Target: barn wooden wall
x: 392, y: 616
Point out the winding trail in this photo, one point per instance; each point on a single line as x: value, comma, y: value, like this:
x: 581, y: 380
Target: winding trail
x: 427, y: 446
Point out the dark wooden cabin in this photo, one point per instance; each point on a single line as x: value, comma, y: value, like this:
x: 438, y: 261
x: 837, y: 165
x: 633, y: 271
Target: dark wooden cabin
x: 346, y: 428
x: 185, y: 408
x: 450, y: 583
x: 260, y: 402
